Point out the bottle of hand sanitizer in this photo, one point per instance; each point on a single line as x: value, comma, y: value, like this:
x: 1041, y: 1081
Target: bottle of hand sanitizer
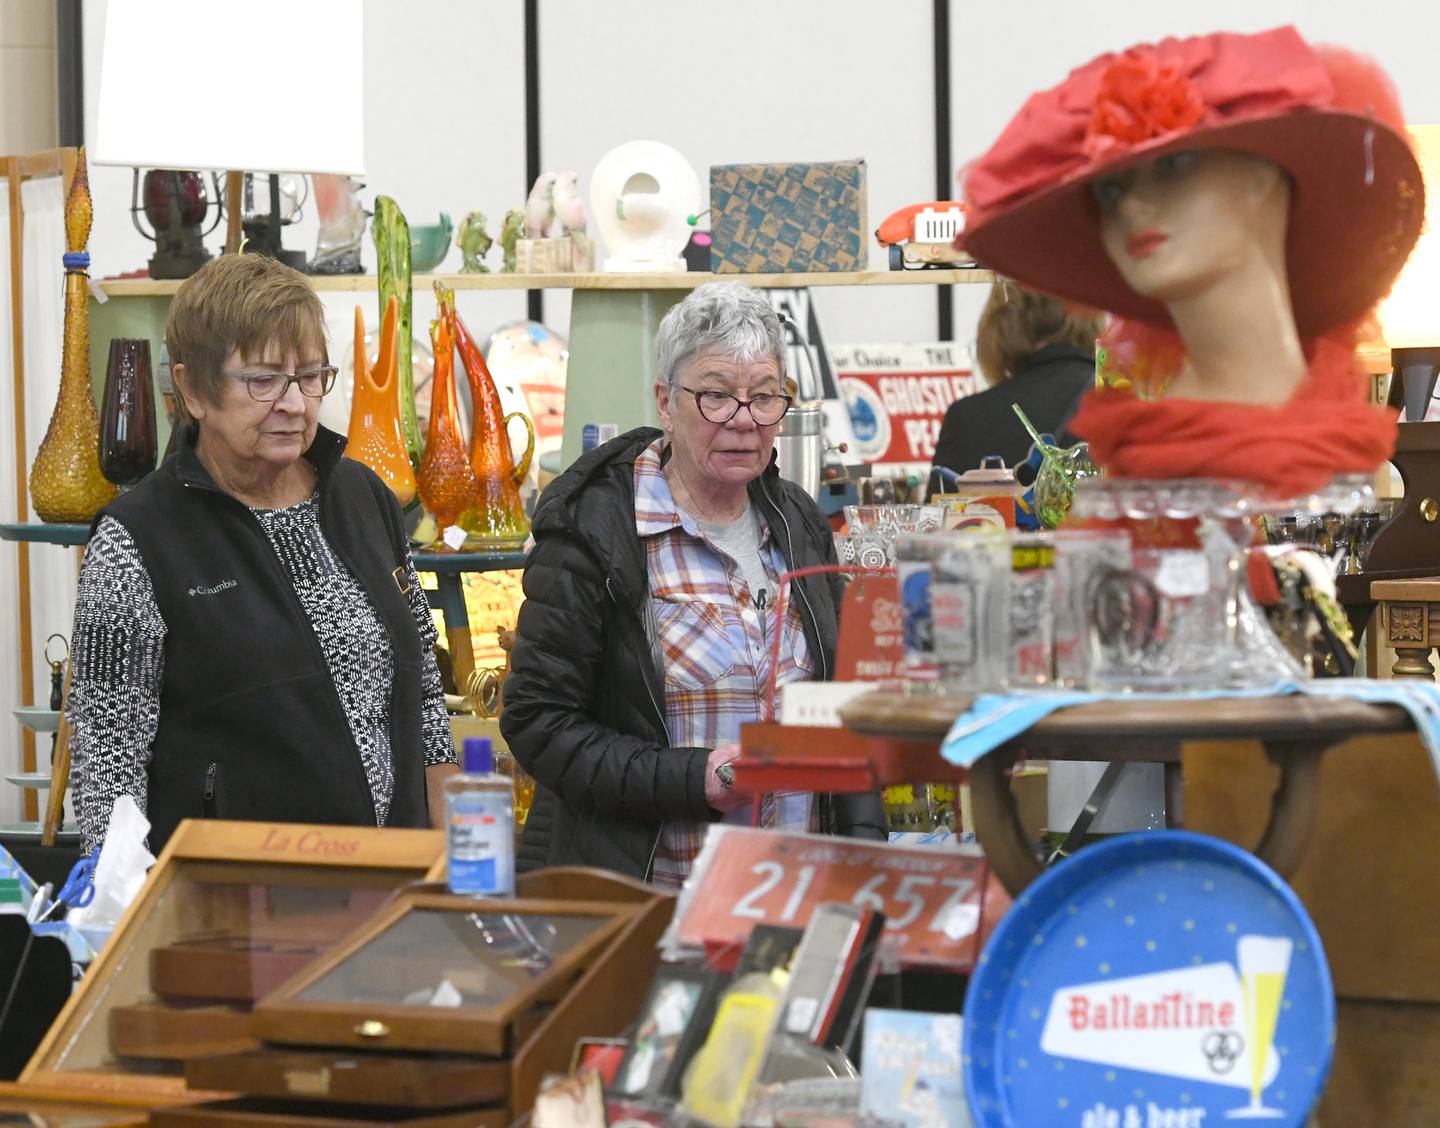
x: 480, y: 825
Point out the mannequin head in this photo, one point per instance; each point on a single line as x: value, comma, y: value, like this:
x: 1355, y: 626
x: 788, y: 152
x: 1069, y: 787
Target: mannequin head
x: 1188, y: 221
x: 1330, y: 119
x: 1202, y: 232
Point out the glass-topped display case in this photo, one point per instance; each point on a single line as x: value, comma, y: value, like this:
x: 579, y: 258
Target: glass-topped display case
x: 441, y: 1009
x: 438, y: 972
x: 229, y: 913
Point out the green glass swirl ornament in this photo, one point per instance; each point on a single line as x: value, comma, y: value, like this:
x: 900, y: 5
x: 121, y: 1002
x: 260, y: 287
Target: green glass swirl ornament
x: 392, y: 251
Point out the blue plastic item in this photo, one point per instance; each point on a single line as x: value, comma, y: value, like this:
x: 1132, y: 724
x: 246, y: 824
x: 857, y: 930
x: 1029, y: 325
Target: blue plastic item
x: 79, y: 888
x: 1131, y: 984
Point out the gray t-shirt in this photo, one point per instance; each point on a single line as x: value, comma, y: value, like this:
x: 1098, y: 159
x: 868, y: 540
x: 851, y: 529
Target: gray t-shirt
x: 740, y: 540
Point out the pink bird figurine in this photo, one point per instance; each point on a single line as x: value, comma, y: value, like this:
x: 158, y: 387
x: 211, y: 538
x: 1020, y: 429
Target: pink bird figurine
x: 569, y: 207
x: 540, y: 207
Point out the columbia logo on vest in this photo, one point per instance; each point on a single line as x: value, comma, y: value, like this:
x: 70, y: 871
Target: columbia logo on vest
x: 214, y: 589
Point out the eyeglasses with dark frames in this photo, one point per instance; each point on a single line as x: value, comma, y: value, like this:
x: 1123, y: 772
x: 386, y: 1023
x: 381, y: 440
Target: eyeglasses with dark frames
x: 721, y: 407
x: 267, y: 387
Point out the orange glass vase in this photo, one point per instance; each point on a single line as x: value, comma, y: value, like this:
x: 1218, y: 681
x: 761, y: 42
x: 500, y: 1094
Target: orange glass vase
x: 377, y: 436
x: 447, y: 482
x: 496, y: 522
x: 66, y: 484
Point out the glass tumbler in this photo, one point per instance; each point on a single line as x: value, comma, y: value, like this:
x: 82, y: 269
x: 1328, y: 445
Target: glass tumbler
x: 970, y: 614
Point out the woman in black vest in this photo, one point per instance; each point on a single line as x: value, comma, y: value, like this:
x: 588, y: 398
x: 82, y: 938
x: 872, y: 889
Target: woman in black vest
x: 251, y: 640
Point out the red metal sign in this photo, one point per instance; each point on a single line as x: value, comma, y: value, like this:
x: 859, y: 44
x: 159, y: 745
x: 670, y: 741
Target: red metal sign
x: 933, y: 898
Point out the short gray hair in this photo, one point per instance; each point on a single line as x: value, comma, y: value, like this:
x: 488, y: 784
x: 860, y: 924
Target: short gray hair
x: 724, y: 317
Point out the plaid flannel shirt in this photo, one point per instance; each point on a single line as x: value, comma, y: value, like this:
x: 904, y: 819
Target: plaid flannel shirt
x: 714, y: 645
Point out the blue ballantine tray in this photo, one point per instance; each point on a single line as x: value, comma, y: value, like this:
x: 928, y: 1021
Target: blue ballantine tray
x: 1158, y: 980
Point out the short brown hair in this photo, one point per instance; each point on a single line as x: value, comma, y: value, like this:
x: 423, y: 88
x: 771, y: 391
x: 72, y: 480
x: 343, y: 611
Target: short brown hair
x: 1017, y: 323
x: 242, y: 302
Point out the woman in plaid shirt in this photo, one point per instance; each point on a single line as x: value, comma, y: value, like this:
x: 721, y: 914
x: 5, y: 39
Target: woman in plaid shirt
x: 644, y: 640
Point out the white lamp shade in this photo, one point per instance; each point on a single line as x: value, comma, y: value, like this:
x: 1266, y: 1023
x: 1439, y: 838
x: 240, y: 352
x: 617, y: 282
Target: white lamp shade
x: 267, y: 86
x: 1410, y: 316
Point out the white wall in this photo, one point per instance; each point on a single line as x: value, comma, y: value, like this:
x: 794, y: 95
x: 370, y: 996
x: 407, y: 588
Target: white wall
x: 725, y: 82
x: 744, y: 80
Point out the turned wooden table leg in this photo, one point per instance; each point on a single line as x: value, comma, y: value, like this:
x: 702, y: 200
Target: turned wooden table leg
x: 1292, y: 810
x: 997, y: 822
x: 1410, y: 617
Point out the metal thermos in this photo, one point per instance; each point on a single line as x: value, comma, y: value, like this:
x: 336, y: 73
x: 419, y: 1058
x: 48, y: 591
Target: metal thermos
x: 800, y: 446
x: 800, y: 437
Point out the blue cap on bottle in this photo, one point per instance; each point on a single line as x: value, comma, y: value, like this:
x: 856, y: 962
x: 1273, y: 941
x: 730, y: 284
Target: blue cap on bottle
x: 478, y: 755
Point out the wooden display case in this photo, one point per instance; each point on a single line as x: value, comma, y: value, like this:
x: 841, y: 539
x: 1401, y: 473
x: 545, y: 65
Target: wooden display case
x: 229, y: 910
x: 442, y: 1009
x: 439, y: 972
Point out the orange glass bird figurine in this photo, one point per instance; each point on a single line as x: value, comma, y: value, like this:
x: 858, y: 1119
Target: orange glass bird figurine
x: 496, y: 521
x: 377, y: 437
x: 447, y: 482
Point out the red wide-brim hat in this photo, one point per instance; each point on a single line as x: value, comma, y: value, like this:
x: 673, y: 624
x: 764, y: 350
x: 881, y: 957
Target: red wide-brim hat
x: 1329, y: 118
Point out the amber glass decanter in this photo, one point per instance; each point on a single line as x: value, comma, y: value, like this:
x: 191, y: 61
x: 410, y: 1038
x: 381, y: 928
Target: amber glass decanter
x: 447, y: 483
x: 66, y: 484
x: 377, y: 436
x: 496, y: 522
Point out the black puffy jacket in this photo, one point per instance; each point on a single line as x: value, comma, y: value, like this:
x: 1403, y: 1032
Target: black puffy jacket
x: 584, y: 702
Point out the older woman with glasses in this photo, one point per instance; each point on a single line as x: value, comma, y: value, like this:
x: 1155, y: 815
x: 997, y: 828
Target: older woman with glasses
x: 251, y: 640
x: 644, y: 641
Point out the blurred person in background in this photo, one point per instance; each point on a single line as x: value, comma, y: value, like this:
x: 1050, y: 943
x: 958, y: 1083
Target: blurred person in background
x: 1033, y: 351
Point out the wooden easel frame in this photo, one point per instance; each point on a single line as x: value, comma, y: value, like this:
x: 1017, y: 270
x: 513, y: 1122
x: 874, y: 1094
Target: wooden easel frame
x: 17, y: 170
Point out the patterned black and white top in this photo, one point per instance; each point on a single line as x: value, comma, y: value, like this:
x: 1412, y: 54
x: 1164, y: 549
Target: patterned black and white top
x: 117, y: 662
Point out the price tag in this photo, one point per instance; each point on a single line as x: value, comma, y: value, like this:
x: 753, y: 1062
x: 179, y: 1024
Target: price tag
x: 932, y: 897
x: 1183, y: 574
x: 818, y: 703
x: 870, y: 646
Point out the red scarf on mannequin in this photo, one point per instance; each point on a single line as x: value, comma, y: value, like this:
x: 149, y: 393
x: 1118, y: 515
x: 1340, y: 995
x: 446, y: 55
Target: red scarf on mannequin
x: 1327, y: 428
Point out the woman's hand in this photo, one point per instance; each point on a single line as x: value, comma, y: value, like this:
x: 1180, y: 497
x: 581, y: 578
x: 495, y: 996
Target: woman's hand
x: 721, y: 796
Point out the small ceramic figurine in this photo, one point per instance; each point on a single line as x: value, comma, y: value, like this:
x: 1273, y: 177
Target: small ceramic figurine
x: 511, y: 230
x: 574, y: 219
x: 474, y: 243
x: 540, y: 208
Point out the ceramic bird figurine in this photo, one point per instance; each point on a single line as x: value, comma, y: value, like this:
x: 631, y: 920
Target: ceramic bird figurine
x: 569, y: 207
x: 474, y: 243
x: 512, y: 230
x: 540, y: 207
x: 573, y: 218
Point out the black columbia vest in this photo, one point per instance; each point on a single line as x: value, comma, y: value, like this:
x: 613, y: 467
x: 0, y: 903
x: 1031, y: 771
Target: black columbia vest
x: 251, y: 726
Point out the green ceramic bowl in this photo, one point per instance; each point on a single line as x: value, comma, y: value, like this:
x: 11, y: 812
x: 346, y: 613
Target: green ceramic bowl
x: 429, y: 244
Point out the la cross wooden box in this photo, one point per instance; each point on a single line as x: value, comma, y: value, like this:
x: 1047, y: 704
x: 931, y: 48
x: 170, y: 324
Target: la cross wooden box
x: 229, y: 912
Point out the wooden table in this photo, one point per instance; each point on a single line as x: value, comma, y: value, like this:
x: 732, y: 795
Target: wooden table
x: 1295, y: 731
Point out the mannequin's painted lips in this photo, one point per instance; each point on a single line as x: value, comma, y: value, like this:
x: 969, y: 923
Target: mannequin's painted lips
x: 1143, y: 244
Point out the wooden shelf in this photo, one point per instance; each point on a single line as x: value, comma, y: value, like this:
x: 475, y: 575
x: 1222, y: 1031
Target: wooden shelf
x: 453, y: 563
x: 679, y: 280
x: 37, y: 532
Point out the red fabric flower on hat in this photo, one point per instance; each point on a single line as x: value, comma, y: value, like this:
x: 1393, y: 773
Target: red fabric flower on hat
x: 1140, y: 98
